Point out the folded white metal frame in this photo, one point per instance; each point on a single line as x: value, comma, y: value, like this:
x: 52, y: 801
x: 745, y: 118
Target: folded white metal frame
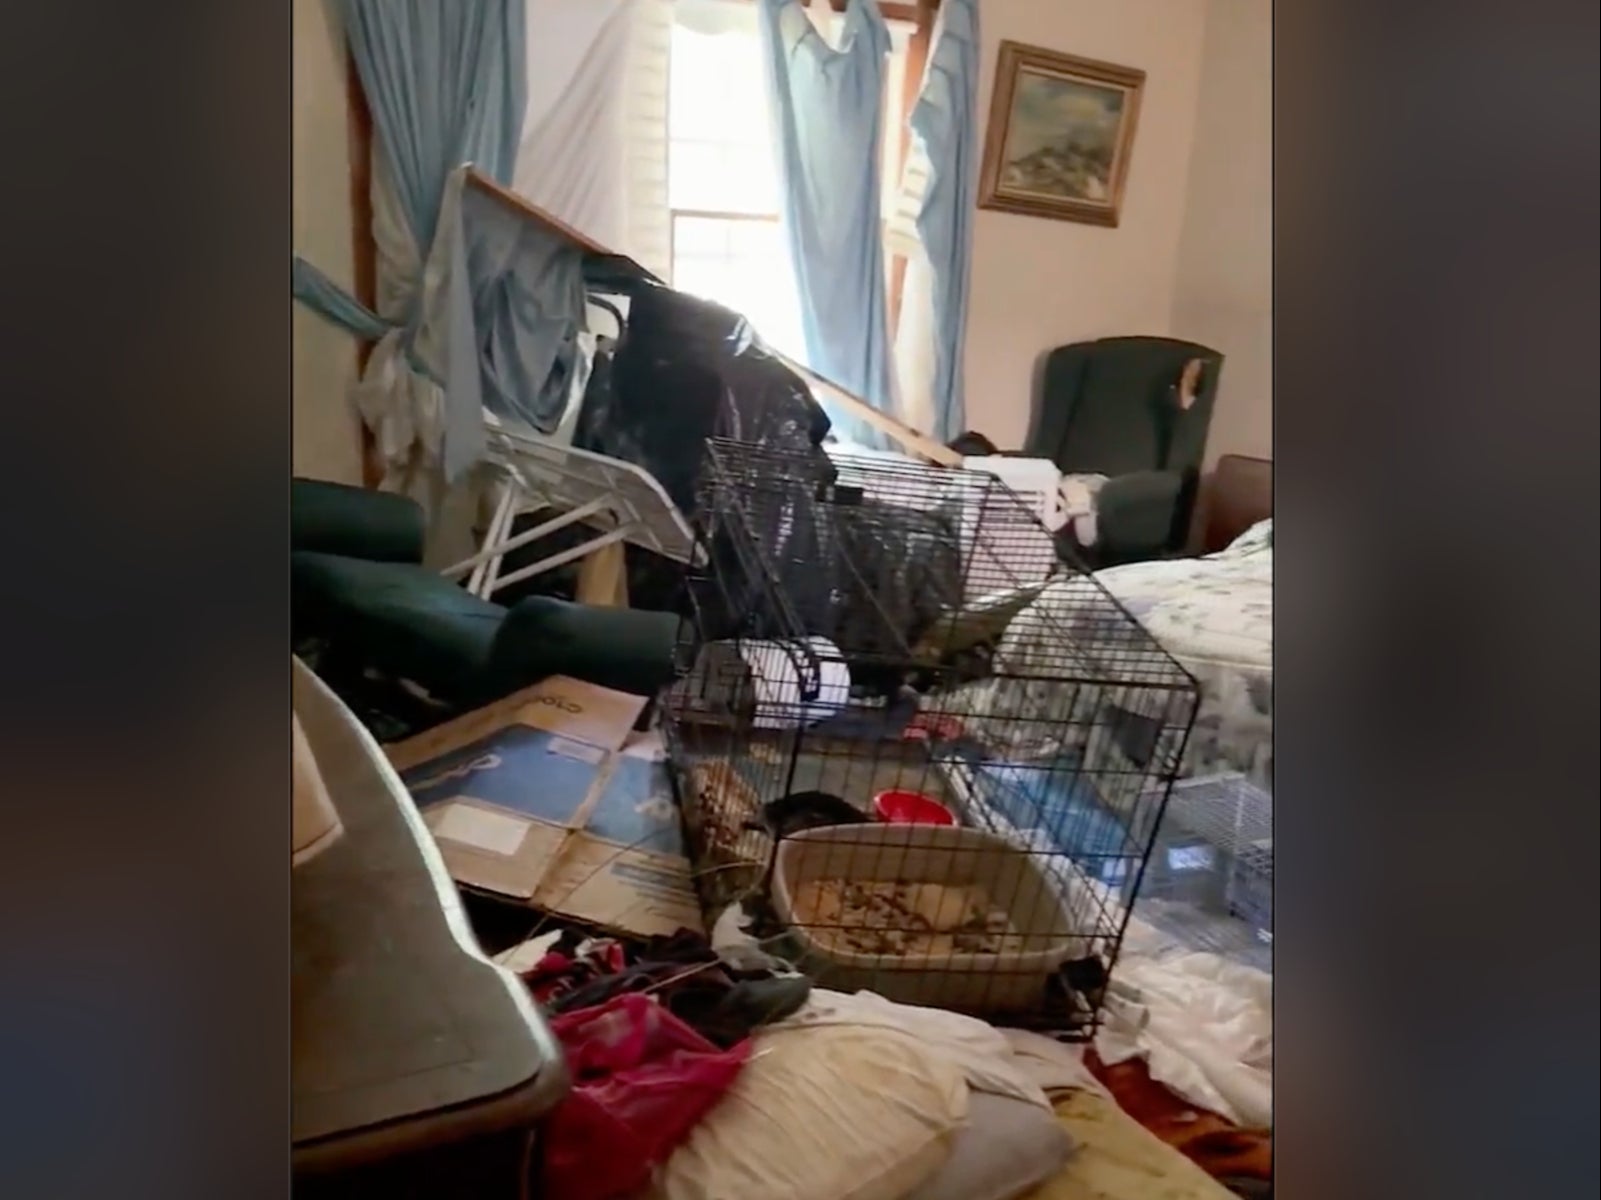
x: 618, y: 503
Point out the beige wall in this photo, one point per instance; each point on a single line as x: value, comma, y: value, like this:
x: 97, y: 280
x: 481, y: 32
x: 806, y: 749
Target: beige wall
x: 1224, y: 292
x: 1038, y: 283
x: 326, y: 438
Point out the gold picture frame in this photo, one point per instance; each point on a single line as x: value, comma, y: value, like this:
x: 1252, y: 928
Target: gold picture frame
x: 1061, y: 132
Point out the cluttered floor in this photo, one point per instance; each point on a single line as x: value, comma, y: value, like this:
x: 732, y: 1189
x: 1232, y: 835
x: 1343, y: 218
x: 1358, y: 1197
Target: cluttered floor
x: 704, y: 1072
x: 875, y: 952
x: 706, y: 1066
x: 837, y: 877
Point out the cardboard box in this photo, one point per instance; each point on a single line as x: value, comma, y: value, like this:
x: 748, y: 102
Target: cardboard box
x: 549, y: 797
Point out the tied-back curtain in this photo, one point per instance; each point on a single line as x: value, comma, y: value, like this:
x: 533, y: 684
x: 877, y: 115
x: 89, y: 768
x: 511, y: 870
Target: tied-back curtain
x: 944, y: 120
x: 828, y: 110
x: 446, y: 86
x: 321, y: 294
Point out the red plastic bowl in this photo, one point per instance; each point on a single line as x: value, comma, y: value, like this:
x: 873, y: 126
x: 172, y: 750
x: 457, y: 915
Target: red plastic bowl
x: 911, y: 808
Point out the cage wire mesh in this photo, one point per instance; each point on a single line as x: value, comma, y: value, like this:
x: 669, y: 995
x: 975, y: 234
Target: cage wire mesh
x: 867, y: 637
x: 1210, y: 881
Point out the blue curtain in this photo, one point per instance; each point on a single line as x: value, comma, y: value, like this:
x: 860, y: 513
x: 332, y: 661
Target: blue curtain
x: 945, y: 119
x: 527, y: 304
x: 446, y: 84
x: 322, y: 295
x: 828, y: 110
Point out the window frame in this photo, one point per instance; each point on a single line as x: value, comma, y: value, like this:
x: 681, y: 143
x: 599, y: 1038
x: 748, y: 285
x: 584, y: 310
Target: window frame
x: 920, y: 16
x: 700, y: 214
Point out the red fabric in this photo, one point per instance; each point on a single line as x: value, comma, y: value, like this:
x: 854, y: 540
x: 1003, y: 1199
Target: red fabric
x: 641, y: 1080
x: 1219, y: 1147
x: 933, y: 726
x: 556, y: 973
x: 548, y: 977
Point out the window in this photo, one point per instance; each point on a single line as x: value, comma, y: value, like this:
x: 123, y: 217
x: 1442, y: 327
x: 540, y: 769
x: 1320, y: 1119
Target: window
x: 722, y: 173
x: 722, y: 178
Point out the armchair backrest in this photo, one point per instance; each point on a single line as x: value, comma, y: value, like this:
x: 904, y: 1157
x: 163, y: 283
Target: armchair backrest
x: 1112, y: 406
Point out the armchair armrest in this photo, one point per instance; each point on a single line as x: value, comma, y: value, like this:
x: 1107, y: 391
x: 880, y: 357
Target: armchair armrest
x: 1135, y: 514
x: 624, y: 648
x: 335, y: 518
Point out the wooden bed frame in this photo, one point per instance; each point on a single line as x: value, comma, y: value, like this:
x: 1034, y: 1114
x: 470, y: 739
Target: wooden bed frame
x: 1237, y: 495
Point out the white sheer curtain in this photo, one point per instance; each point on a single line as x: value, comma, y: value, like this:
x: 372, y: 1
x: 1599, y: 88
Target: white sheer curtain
x: 648, y: 236
x: 595, y: 153
x: 594, y: 140
x: 914, y: 351
x: 571, y: 160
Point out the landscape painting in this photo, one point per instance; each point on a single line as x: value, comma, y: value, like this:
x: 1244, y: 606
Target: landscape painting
x: 1060, y: 134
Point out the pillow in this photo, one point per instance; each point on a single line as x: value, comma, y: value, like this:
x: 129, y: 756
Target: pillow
x: 832, y: 1113
x: 1008, y: 1148
x: 979, y: 1049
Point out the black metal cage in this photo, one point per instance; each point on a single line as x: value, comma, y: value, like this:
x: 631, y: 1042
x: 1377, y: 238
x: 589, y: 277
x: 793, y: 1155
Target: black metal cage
x: 923, y: 748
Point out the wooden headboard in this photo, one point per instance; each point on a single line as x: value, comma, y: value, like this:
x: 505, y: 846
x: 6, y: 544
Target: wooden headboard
x: 1238, y: 494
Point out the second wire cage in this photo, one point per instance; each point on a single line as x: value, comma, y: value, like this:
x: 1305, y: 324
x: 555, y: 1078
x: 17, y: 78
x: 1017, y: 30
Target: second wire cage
x: 922, y: 751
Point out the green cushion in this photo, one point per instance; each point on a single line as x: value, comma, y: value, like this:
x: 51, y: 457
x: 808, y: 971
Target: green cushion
x: 1108, y: 407
x: 623, y: 648
x: 410, y: 621
x: 415, y: 624
x: 334, y: 518
x: 1135, y: 514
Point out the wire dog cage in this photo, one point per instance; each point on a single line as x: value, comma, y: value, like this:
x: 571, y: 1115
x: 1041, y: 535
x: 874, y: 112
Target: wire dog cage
x: 1210, y: 883
x: 924, y: 751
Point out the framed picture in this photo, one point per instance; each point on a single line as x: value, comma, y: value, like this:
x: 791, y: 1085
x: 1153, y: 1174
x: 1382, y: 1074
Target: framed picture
x: 1061, y: 130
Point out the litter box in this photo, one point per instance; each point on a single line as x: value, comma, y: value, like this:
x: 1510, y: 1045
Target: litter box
x: 1013, y: 980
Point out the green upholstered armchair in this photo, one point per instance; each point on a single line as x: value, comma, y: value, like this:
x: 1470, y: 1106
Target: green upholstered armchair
x: 1135, y: 409
x: 358, y: 586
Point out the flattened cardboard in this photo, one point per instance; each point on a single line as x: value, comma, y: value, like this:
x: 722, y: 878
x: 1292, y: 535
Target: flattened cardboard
x: 600, y: 839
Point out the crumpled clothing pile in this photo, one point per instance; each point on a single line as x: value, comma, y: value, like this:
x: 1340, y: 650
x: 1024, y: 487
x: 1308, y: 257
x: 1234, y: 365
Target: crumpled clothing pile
x: 654, y: 1035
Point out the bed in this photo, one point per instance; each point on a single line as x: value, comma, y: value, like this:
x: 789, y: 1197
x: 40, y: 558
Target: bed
x: 1212, y: 613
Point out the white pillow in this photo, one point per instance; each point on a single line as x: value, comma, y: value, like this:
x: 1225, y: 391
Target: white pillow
x: 1007, y: 1149
x: 834, y: 1113
x: 979, y: 1049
